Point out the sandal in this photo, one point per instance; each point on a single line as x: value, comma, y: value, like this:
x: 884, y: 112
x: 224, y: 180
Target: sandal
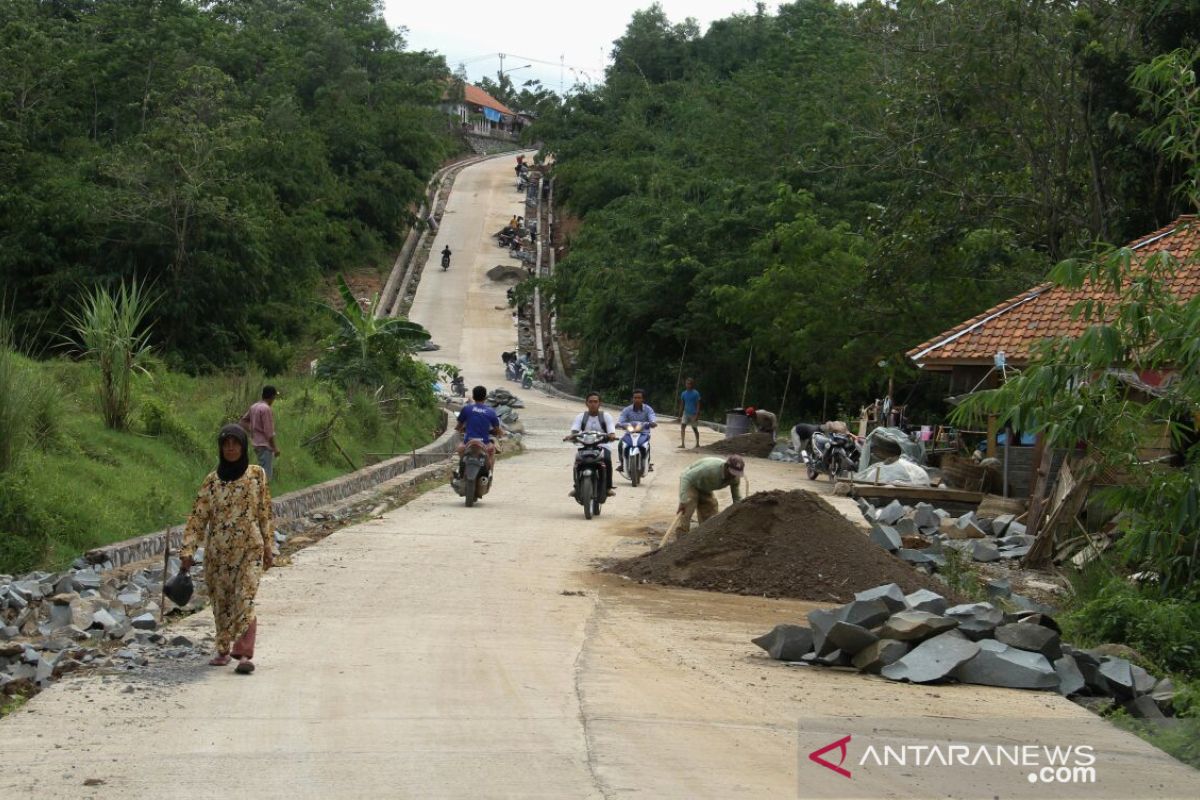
x: 245, y: 667
x: 219, y: 660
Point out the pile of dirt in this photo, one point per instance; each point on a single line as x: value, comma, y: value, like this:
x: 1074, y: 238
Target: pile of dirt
x: 777, y: 544
x: 756, y: 445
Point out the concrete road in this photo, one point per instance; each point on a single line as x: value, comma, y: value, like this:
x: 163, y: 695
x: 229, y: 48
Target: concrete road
x: 445, y: 652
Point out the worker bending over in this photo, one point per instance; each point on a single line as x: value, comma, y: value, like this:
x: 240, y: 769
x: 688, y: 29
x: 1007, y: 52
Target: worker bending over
x: 696, y: 487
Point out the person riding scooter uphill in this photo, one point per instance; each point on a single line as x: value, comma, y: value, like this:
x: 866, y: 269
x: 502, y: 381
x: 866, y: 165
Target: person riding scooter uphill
x: 478, y: 421
x: 596, y: 420
x: 446, y: 257
x: 636, y: 412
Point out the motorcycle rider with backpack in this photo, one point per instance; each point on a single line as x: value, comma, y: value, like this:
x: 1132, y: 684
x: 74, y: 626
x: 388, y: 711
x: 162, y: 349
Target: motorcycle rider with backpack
x: 593, y: 419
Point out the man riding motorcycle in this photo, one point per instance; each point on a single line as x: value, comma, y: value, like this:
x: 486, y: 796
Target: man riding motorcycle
x: 446, y: 257
x: 593, y: 419
x: 636, y: 412
x: 478, y: 420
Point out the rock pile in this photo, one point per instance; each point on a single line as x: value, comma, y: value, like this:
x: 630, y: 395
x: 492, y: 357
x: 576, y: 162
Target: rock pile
x: 922, y: 534
x: 55, y: 623
x: 923, y: 638
x: 755, y: 445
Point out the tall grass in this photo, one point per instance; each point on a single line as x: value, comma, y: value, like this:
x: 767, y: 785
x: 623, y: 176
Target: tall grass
x: 14, y: 410
x: 109, y: 325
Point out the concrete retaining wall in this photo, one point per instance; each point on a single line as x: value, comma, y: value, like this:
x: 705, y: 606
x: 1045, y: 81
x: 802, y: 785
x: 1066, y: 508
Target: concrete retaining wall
x: 289, y: 506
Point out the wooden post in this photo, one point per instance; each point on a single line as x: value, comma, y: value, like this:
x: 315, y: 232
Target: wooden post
x: 679, y: 374
x: 746, y: 383
x: 1043, y: 456
x: 991, y: 434
x: 786, y: 385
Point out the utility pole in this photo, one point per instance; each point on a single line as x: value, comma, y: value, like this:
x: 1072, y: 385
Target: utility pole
x: 501, y: 75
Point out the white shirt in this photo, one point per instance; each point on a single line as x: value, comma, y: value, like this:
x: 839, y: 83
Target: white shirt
x: 586, y: 422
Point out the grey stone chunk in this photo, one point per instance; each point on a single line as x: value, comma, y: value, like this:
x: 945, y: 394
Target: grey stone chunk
x: 875, y: 657
x: 1016, y: 540
x: 820, y: 621
x: 984, y: 551
x: 927, y: 601
x: 850, y: 638
x: 886, y: 537
x: 933, y: 659
x: 912, y: 626
x: 866, y: 613
x: 16, y: 599
x: 1014, y: 552
x: 1143, y: 682
x: 1119, y: 674
x: 131, y: 597
x: 1026, y: 604
x: 8, y: 633
x: 834, y: 658
x: 183, y: 641
x: 905, y: 526
x: 926, y: 518
x: 1016, y: 529
x: 998, y: 587
x: 1164, y: 694
x: 1070, y: 679
x: 87, y: 579
x: 783, y: 643
x: 890, y: 593
x: 997, y: 664
x: 889, y: 514
x: 1001, y: 523
x: 915, y: 556
x: 104, y: 619
x: 1038, y: 618
x: 1032, y: 637
x: 145, y: 622
x: 1144, y: 707
x: 866, y: 508
x: 976, y: 620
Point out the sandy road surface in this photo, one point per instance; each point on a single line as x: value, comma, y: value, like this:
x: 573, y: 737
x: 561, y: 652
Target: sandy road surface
x: 436, y: 652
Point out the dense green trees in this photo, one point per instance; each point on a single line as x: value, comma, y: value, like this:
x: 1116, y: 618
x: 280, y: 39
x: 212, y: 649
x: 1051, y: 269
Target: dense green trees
x: 831, y: 184
x: 226, y: 153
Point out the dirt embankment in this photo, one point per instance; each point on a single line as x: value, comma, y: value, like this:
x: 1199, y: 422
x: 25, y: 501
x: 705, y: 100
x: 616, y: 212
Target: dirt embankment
x: 777, y: 544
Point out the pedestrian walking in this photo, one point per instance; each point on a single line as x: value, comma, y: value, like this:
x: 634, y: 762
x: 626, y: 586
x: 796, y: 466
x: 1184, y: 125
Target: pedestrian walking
x: 232, y: 519
x: 259, y: 423
x: 697, y: 484
x: 689, y: 412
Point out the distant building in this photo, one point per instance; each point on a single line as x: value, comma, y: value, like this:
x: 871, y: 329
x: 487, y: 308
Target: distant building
x: 480, y: 113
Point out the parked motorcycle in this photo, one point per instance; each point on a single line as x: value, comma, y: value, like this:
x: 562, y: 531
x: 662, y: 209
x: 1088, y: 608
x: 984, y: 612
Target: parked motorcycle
x: 635, y: 443
x: 472, y: 480
x: 589, y: 471
x: 458, y: 386
x: 834, y: 454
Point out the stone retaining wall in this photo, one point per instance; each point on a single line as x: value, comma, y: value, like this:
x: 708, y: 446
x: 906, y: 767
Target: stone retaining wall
x: 291, y: 505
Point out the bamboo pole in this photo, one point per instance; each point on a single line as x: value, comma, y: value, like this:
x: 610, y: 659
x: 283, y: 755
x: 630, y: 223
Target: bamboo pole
x: 746, y: 382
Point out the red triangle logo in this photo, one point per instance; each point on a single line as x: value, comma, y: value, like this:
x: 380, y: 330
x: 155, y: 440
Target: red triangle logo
x: 840, y: 745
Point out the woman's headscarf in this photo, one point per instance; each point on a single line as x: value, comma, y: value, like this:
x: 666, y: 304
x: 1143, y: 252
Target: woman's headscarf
x: 232, y: 470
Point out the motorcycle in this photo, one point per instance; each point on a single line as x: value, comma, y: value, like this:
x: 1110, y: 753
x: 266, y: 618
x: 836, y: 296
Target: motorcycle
x: 589, y: 471
x: 472, y: 480
x: 458, y: 386
x: 636, y: 446
x: 833, y: 454
x: 445, y: 261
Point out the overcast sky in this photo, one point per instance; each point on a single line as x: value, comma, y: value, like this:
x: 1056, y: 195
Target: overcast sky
x: 476, y: 31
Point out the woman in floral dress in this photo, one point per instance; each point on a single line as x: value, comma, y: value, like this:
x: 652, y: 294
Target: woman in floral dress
x: 232, y: 519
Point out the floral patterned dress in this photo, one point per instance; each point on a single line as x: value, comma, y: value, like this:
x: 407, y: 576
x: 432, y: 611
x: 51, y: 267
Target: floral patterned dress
x: 234, y: 523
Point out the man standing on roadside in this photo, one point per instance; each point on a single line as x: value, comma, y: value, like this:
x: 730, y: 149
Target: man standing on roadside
x: 259, y: 423
x: 689, y: 405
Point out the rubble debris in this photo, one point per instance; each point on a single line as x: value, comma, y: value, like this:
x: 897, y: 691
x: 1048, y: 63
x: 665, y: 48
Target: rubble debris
x: 968, y: 643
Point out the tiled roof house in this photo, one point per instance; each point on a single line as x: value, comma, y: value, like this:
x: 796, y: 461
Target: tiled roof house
x: 969, y: 349
x: 480, y: 113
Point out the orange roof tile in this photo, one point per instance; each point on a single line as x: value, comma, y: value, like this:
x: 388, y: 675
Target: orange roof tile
x: 473, y: 94
x: 1045, y: 311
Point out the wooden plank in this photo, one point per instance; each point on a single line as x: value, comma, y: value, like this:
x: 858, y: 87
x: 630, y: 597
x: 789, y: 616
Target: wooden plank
x: 991, y: 434
x: 926, y: 493
x: 1037, y: 498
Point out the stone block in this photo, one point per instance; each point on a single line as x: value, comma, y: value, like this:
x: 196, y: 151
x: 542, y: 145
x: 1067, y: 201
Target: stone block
x: 985, y: 551
x: 1144, y: 707
x: 998, y: 587
x: 997, y: 664
x: 927, y: 601
x: 865, y: 613
x: 850, y: 638
x: 891, y: 594
x: 1070, y: 679
x: 890, y: 514
x: 820, y: 621
x: 875, y: 657
x: 933, y: 659
x: 886, y: 537
x: 1000, y: 524
x: 783, y: 643
x: 1119, y: 675
x: 976, y: 620
x: 915, y: 626
x: 906, y: 526
x: 145, y: 622
x: 1032, y: 637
